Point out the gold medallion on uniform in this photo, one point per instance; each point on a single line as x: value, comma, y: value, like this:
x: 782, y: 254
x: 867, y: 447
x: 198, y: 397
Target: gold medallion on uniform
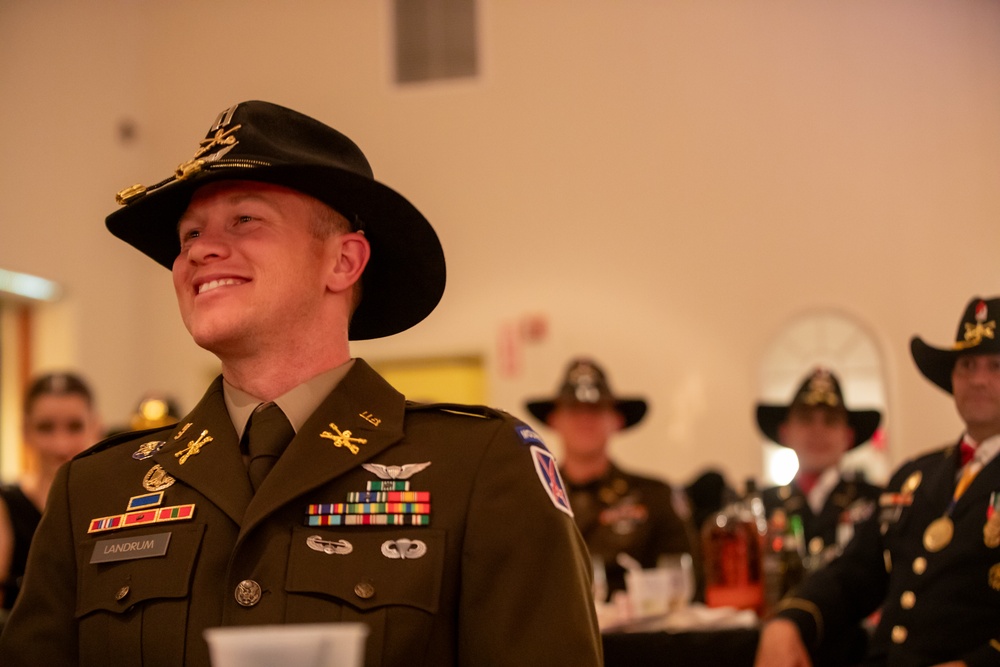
x: 994, y: 577
x: 938, y: 534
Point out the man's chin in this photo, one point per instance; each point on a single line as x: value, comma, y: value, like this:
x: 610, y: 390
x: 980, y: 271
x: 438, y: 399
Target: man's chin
x: 220, y: 343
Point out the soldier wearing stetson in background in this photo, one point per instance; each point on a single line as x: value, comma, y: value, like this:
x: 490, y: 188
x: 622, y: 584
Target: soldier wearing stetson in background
x: 820, y: 429
x: 302, y: 488
x: 930, y: 555
x: 618, y: 512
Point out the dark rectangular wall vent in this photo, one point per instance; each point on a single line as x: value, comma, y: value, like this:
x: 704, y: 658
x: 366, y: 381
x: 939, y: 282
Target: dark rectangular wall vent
x: 435, y: 39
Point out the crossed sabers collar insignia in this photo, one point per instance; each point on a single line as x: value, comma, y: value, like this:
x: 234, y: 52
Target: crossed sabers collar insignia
x: 194, y: 447
x: 343, y: 438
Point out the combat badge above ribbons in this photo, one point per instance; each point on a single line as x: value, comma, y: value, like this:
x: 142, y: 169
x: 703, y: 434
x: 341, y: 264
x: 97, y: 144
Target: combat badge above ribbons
x: 548, y: 473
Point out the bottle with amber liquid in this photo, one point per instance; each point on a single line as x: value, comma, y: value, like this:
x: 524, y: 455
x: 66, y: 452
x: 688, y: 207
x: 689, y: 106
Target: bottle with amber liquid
x: 733, y: 548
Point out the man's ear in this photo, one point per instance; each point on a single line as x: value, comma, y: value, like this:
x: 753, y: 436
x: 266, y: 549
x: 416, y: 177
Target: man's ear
x: 351, y: 253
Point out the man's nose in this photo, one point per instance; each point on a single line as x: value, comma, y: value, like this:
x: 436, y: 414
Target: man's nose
x: 206, y: 247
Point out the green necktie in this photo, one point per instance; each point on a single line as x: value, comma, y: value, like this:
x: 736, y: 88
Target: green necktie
x: 269, y: 432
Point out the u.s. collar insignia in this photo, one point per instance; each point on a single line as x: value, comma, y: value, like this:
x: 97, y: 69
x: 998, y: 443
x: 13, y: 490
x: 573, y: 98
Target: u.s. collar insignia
x: 405, y: 471
x: 548, y: 473
x: 370, y: 418
x: 343, y: 438
x: 157, y: 479
x: 194, y: 447
x: 147, y: 449
x: 180, y: 433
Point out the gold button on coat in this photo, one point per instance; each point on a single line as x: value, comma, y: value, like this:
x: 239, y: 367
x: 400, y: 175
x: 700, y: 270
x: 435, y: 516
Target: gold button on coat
x: 247, y: 593
x: 907, y: 599
x: 122, y: 593
x: 364, y: 590
x: 898, y: 634
x: 919, y: 565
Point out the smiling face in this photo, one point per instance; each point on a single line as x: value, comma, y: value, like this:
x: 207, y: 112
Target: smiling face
x: 252, y: 269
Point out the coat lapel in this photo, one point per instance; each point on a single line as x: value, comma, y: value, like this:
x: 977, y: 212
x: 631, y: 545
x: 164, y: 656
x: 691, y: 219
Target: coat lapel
x: 358, y: 420
x: 217, y: 470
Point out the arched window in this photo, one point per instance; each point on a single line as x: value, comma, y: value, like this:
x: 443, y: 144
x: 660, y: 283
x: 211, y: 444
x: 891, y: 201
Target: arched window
x: 836, y: 341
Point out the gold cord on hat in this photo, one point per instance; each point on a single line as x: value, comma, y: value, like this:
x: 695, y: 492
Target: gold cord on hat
x: 975, y: 333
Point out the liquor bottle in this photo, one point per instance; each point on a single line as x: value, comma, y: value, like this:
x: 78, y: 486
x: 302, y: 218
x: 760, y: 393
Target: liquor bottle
x: 733, y: 546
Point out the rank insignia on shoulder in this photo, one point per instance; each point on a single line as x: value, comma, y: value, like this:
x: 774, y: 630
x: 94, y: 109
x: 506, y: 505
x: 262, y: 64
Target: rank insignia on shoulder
x: 548, y: 473
x: 147, y: 449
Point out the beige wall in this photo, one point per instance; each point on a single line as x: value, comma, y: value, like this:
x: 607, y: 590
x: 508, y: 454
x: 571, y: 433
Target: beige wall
x: 666, y: 182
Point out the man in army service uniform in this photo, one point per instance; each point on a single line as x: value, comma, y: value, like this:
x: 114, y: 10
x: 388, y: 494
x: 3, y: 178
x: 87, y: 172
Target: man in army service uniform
x: 302, y: 488
x: 930, y: 556
x: 820, y: 429
x: 617, y: 512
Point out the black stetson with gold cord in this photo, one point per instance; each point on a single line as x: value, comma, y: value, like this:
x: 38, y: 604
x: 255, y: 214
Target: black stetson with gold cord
x: 260, y: 141
x: 586, y: 384
x: 976, y: 335
x: 820, y: 389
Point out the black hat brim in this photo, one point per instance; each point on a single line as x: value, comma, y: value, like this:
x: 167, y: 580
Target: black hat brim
x: 863, y: 422
x: 935, y: 363
x: 404, y: 279
x: 632, y: 410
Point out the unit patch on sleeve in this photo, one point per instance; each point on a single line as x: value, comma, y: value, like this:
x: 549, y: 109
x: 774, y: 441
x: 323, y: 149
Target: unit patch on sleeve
x: 548, y: 473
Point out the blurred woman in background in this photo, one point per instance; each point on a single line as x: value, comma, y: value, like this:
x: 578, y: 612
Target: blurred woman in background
x: 60, y: 421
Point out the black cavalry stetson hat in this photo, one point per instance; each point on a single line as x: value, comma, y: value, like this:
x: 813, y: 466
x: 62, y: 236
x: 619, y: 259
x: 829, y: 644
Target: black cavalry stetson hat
x: 820, y: 389
x: 260, y: 141
x: 976, y: 335
x: 585, y: 383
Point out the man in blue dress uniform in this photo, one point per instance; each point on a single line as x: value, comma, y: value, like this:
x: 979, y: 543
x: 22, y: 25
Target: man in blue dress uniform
x: 930, y: 555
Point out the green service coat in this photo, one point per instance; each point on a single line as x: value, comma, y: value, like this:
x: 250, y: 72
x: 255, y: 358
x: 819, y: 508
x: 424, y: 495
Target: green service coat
x: 502, y: 578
